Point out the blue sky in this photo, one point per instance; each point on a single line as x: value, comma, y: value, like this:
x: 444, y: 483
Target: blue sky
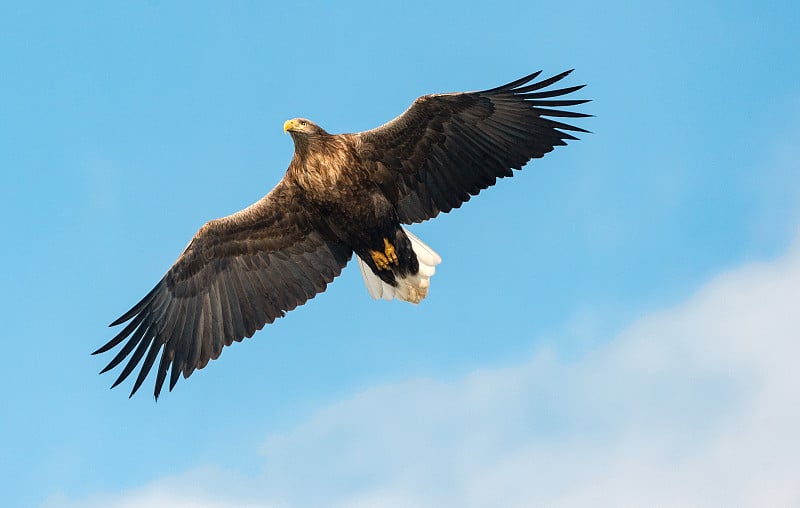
x: 612, y: 323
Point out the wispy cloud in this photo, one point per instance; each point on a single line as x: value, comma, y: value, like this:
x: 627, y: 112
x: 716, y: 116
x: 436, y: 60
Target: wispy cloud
x: 696, y: 405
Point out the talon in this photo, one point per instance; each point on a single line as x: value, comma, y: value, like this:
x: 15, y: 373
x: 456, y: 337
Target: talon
x: 381, y: 263
x: 391, y: 255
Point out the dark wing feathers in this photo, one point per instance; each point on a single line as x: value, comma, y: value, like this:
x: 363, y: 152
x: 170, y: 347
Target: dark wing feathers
x: 237, y: 274
x: 448, y: 147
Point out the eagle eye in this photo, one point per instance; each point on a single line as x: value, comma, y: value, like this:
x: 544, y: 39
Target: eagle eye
x: 303, y: 123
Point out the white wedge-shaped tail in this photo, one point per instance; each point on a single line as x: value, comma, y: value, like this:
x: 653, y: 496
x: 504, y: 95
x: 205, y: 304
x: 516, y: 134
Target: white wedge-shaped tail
x: 411, y: 288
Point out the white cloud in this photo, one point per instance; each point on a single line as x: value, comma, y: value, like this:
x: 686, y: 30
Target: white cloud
x: 203, y: 487
x: 697, y: 405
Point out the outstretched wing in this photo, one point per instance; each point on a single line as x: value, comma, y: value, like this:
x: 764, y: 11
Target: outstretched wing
x: 237, y: 274
x: 448, y: 147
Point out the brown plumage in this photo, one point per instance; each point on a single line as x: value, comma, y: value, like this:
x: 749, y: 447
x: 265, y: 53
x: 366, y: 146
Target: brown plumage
x: 341, y: 194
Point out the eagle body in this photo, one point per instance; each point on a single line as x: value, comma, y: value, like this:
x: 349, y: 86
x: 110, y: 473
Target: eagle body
x: 342, y: 194
x: 351, y: 208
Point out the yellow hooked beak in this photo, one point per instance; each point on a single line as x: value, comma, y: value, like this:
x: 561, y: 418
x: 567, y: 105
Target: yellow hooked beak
x: 288, y: 125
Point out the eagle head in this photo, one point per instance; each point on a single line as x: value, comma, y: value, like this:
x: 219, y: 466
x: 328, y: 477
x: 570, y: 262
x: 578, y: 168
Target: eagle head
x: 305, y: 134
x: 301, y: 127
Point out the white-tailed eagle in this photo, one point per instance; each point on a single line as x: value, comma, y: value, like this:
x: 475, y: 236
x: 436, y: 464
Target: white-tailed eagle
x: 342, y: 194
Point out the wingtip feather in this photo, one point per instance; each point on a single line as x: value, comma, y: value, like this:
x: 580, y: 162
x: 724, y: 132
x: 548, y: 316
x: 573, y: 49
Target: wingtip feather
x: 515, y: 83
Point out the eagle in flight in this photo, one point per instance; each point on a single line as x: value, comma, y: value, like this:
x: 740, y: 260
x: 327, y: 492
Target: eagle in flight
x: 342, y: 194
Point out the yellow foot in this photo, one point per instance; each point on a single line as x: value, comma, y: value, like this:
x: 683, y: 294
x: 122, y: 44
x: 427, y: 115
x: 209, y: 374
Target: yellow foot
x: 390, y: 253
x: 384, y: 259
x: 380, y: 260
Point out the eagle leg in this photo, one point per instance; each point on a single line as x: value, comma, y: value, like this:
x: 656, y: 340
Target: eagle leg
x: 384, y: 259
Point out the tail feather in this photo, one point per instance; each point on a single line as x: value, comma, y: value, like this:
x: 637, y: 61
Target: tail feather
x: 375, y: 286
x: 411, y: 288
x: 425, y: 254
